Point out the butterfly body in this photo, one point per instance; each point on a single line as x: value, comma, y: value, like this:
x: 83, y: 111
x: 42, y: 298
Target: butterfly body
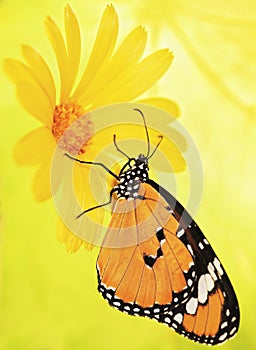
x: 129, y: 181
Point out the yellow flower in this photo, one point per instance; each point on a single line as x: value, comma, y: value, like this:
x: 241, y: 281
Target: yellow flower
x: 109, y: 77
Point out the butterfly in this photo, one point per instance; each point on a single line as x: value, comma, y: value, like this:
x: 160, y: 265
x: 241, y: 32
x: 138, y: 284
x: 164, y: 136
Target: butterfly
x: 155, y: 261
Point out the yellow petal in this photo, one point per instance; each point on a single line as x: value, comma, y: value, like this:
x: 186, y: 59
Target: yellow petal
x: 65, y: 236
x: 35, y: 147
x: 35, y: 101
x: 41, y: 72
x: 17, y: 71
x: 59, y: 48
x: 90, y: 188
x: 31, y: 93
x: 174, y: 155
x: 88, y: 246
x: 146, y: 73
x: 103, y: 47
x: 131, y: 49
x: 72, y: 242
x: 133, y: 81
x: 41, y: 183
x: 73, y: 43
x: 127, y: 55
x: 82, y: 174
x: 163, y: 103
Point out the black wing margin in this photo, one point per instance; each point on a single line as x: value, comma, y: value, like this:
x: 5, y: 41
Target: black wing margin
x: 211, y: 314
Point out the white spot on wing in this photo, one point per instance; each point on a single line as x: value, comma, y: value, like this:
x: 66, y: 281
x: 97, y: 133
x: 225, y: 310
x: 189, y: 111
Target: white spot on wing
x: 178, y: 318
x: 180, y: 233
x: 216, y: 263
x: 189, y: 282
x: 109, y: 296
x: 233, y: 330
x: 117, y: 303
x: 190, y: 249
x: 191, y: 306
x: 209, y: 282
x: 223, y: 336
x: 167, y: 320
x: 200, y: 245
x: 202, y: 290
x: 224, y: 324
x: 211, y: 271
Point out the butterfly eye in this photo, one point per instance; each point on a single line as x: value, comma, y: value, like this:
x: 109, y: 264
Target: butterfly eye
x: 132, y: 162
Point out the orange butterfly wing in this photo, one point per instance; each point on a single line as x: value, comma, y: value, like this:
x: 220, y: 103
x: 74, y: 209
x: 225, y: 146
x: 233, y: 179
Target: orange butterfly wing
x: 174, y: 276
x: 151, y: 276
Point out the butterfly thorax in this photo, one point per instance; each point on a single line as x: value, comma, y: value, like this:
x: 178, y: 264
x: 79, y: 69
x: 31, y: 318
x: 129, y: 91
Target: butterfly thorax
x: 130, y: 179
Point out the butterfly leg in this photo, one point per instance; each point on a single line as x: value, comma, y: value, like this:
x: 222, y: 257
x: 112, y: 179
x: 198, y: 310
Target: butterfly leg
x: 97, y: 206
x: 93, y: 163
x: 104, y: 167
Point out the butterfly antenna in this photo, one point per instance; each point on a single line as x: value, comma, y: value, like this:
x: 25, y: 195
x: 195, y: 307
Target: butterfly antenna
x: 118, y: 149
x: 146, y: 128
x: 161, y: 138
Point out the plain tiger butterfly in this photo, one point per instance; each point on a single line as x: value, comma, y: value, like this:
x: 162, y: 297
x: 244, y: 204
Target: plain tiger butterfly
x: 174, y: 276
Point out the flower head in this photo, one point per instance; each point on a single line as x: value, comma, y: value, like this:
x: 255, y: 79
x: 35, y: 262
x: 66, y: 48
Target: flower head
x: 110, y: 76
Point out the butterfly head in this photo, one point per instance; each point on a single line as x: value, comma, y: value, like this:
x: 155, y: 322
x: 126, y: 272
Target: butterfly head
x: 141, y: 161
x: 135, y: 170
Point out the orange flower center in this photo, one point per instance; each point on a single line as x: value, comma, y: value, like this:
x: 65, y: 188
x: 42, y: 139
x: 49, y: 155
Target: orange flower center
x: 69, y: 129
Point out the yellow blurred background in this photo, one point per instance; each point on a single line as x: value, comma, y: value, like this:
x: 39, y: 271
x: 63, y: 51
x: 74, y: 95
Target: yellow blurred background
x: 48, y: 297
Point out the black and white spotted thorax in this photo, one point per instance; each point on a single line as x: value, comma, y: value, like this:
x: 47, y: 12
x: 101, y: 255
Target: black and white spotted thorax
x: 134, y: 172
